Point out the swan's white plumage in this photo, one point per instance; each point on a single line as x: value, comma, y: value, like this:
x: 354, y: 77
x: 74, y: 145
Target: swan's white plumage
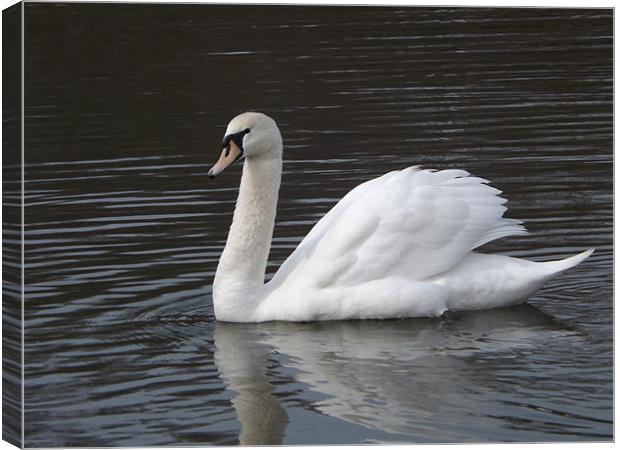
x: 396, y: 246
x: 411, y: 223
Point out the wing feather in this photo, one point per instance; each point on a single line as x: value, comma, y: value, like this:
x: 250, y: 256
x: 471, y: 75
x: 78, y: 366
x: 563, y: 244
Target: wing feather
x: 411, y: 223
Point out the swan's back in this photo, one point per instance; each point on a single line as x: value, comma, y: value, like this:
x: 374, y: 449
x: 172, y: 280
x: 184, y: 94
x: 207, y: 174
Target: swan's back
x: 411, y: 223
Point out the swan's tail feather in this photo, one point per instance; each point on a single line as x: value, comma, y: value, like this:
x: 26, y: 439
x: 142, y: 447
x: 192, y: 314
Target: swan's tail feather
x: 557, y: 267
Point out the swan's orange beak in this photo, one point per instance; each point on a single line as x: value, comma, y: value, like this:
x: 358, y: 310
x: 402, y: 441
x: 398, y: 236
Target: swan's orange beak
x: 230, y: 154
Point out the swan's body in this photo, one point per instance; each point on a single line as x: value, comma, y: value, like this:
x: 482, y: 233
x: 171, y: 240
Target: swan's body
x: 400, y: 245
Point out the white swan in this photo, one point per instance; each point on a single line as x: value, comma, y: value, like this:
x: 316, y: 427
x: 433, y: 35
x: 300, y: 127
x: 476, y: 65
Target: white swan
x: 400, y: 245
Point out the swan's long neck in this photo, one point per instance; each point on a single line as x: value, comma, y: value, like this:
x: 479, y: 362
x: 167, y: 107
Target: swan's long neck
x: 240, y: 276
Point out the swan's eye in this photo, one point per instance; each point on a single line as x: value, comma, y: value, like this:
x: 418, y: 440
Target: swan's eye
x: 237, y: 138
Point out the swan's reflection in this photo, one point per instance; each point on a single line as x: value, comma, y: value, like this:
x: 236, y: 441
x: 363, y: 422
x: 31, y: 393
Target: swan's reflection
x: 396, y: 376
x: 242, y: 361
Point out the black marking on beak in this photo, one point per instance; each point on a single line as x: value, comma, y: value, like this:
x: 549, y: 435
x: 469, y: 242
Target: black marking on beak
x: 237, y: 138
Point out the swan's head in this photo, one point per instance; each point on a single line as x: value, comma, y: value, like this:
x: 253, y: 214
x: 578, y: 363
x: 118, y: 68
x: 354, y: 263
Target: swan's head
x: 249, y: 135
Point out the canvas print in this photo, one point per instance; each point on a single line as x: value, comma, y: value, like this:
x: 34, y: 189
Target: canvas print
x: 261, y: 224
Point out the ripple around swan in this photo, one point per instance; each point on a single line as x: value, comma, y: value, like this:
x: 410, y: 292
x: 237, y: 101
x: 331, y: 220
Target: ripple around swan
x: 124, y: 230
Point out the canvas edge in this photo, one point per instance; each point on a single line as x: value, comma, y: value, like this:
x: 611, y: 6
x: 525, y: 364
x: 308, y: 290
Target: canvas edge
x: 12, y: 225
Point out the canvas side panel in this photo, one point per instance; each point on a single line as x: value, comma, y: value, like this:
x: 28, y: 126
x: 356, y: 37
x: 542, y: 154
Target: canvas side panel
x: 12, y: 225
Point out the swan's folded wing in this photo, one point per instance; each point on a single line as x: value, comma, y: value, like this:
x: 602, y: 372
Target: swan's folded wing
x: 411, y: 223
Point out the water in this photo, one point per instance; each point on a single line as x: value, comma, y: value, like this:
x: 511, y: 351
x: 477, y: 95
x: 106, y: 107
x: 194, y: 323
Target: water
x: 125, y: 108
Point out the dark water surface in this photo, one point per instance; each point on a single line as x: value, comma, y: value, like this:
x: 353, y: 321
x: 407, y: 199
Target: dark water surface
x: 125, y: 108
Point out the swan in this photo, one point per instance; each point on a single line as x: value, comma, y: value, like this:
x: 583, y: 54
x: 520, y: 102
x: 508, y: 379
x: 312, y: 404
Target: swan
x: 397, y: 246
